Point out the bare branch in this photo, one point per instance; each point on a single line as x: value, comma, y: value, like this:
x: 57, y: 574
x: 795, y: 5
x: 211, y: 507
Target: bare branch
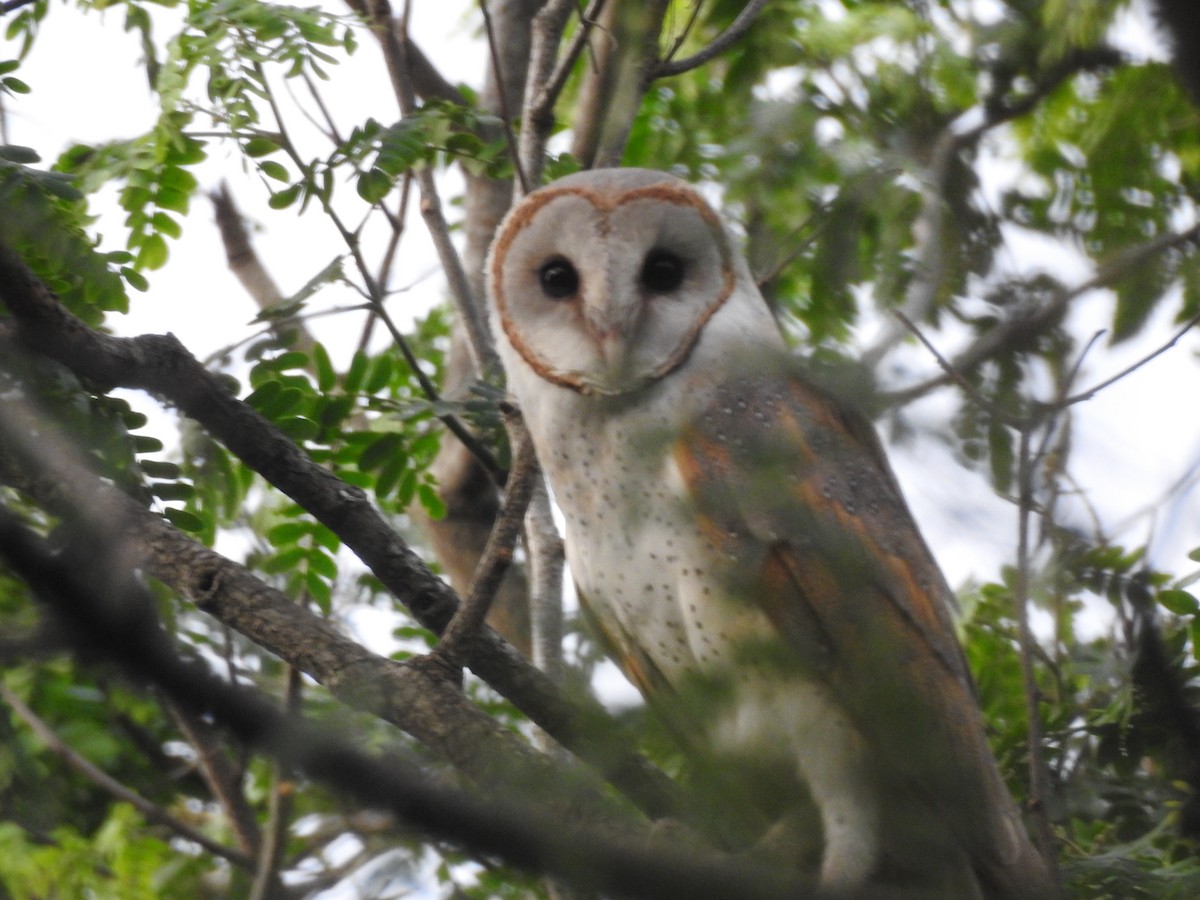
x: 541, y: 109
x: 954, y: 375
x: 1028, y: 320
x: 1107, y: 382
x: 498, y: 554
x: 735, y: 32
x: 537, y: 119
x: 219, y: 775
x: 1039, y: 788
x: 279, y: 808
x: 505, y: 118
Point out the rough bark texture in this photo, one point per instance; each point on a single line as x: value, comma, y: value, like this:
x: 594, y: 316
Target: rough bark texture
x: 161, y: 366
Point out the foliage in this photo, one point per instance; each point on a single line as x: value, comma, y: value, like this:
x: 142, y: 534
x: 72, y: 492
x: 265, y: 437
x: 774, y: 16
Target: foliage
x: 866, y: 150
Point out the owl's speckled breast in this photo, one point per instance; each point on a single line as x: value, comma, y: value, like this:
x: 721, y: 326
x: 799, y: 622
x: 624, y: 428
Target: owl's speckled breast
x: 654, y: 582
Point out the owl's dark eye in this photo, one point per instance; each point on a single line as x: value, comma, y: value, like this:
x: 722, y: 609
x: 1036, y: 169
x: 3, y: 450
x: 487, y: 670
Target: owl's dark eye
x: 558, y: 278
x: 662, y: 272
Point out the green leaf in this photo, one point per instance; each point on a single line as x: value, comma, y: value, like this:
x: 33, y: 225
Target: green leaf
x: 373, y: 185
x: 18, y: 154
x: 275, y: 170
x: 136, y: 279
x: 428, y: 496
x: 1179, y: 602
x: 164, y: 224
x: 14, y: 84
x: 153, y: 252
x: 355, y: 374
x: 260, y: 146
x: 381, y: 374
x: 326, y: 377
x: 287, y: 533
x: 299, y: 428
x: 285, y: 198
x: 184, y: 520
x: 172, y: 490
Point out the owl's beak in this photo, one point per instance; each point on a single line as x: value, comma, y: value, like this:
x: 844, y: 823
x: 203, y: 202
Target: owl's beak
x: 613, y: 326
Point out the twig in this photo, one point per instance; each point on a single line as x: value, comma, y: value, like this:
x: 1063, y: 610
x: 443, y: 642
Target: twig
x: 497, y: 555
x: 1039, y: 791
x: 505, y: 118
x: 1108, y: 382
x: 103, y: 780
x: 722, y: 42
x: 1025, y: 320
x: 792, y: 255
x: 684, y: 32
x: 541, y: 109
x: 955, y: 376
x: 451, y: 421
x: 219, y: 775
x: 279, y: 807
x: 395, y: 54
x: 333, y: 134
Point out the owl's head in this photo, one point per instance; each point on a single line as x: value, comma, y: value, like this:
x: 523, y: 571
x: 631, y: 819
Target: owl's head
x: 603, y: 281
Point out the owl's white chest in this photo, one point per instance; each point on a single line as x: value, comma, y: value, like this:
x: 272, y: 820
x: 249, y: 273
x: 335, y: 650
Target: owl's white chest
x: 635, y: 545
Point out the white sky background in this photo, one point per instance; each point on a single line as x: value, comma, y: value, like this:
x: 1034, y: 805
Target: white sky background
x: 1132, y: 443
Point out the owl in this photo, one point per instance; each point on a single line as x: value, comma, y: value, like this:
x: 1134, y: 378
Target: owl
x: 739, y: 542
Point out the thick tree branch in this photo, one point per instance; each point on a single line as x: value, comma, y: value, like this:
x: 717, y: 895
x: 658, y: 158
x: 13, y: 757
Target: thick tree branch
x: 111, y: 616
x: 161, y: 366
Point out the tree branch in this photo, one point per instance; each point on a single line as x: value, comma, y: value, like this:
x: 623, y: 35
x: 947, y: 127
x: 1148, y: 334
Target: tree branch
x: 1026, y: 320
x: 470, y: 309
x: 111, y: 616
x: 103, y: 780
x: 498, y: 554
x: 735, y: 32
x: 505, y: 117
x: 161, y: 366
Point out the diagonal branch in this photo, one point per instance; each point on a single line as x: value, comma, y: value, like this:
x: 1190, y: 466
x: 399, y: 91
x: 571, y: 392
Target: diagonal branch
x: 110, y: 785
x: 1026, y: 320
x: 735, y: 32
x: 84, y: 590
x: 161, y: 366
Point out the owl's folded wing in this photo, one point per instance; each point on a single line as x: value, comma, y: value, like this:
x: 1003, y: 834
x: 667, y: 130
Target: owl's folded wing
x: 797, y: 492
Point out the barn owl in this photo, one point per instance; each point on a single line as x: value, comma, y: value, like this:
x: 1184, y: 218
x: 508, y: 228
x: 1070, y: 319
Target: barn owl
x: 740, y: 543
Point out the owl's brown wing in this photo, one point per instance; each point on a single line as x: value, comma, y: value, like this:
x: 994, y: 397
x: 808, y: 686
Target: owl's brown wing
x: 796, y: 491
